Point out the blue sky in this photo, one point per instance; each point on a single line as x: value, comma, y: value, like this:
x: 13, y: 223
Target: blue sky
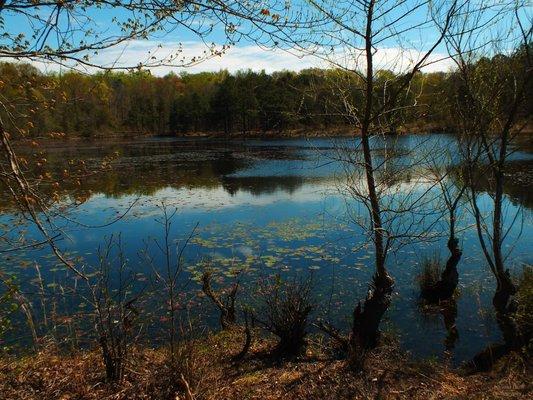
x: 247, y: 54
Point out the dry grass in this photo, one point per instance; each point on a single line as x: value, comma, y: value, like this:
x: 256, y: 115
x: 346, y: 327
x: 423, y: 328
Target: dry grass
x: 430, y: 271
x: 389, y: 375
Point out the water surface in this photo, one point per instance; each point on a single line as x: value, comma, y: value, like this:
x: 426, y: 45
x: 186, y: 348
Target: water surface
x: 280, y: 206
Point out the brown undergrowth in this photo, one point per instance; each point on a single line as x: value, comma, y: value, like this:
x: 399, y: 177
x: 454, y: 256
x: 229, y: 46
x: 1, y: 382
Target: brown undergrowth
x: 211, y: 373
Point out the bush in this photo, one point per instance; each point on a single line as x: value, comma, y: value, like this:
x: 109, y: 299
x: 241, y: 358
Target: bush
x: 287, y: 306
x: 115, y: 308
x: 430, y: 272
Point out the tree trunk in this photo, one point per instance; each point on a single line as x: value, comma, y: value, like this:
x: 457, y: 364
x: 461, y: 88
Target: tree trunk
x: 505, y: 288
x: 366, y: 318
x: 445, y: 288
x: 228, y: 316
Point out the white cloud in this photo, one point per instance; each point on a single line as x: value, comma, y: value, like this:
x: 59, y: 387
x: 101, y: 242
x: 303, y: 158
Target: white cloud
x: 236, y: 58
x: 241, y: 57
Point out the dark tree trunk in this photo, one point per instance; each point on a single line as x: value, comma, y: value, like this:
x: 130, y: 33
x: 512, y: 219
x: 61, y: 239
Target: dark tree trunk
x: 247, y: 340
x: 504, y: 290
x: 227, y: 317
x: 449, y: 279
x: 366, y: 318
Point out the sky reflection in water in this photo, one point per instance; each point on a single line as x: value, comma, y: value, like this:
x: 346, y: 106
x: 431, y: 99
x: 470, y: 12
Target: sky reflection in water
x: 275, y: 206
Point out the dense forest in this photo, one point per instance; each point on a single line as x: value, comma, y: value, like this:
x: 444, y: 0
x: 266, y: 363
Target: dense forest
x: 246, y: 103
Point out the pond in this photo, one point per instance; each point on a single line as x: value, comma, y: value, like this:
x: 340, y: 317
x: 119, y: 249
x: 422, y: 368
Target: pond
x: 281, y: 207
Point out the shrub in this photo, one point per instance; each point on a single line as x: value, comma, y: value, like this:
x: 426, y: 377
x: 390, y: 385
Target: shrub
x: 430, y: 272
x: 115, y: 308
x: 287, y: 306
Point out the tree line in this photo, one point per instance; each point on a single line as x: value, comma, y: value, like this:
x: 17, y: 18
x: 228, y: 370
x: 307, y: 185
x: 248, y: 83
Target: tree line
x: 245, y: 103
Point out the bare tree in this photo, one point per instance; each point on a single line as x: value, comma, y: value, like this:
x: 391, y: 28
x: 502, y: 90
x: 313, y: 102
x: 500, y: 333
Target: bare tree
x: 168, y: 278
x: 354, y: 41
x: 452, y: 187
x: 115, y: 308
x: 493, y: 83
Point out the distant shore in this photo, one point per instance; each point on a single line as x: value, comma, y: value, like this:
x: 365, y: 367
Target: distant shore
x: 343, y: 131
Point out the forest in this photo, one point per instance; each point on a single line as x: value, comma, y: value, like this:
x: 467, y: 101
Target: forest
x: 246, y: 103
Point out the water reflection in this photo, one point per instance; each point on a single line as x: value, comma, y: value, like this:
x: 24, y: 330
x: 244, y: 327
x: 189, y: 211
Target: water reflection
x: 146, y: 166
x: 449, y: 316
x: 259, y: 186
x: 275, y: 204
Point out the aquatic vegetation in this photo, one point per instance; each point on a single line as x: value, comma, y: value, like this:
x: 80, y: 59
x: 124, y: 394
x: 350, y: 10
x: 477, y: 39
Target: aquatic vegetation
x: 430, y: 271
x: 258, y: 234
x: 277, y: 245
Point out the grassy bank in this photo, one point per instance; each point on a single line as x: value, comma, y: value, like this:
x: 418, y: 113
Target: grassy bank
x: 208, y: 369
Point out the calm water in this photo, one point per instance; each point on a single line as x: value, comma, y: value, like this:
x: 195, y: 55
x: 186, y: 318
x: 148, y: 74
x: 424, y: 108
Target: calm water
x: 278, y: 206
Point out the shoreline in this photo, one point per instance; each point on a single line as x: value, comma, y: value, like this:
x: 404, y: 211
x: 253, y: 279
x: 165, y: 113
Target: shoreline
x: 207, y: 369
x: 253, y: 135
x: 416, y: 129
